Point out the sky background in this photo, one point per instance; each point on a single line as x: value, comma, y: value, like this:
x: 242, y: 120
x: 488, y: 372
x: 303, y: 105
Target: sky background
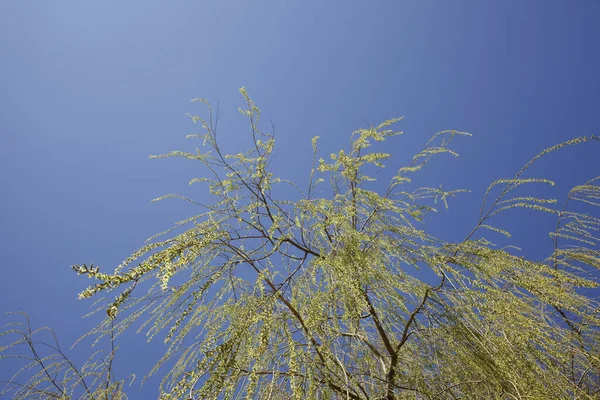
x: 89, y: 89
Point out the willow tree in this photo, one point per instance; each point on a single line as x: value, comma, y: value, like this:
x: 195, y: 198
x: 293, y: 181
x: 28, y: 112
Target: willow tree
x: 339, y: 292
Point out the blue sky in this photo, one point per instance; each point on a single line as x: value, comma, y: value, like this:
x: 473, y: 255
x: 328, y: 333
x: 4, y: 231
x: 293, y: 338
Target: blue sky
x: 90, y: 89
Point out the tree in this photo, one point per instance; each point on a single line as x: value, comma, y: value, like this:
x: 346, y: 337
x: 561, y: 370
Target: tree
x: 347, y: 296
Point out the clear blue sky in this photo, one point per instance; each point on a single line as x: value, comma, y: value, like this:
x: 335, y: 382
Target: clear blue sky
x: 89, y: 89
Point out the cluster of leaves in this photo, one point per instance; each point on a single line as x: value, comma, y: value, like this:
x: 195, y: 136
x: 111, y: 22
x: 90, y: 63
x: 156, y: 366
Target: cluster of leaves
x: 347, y: 296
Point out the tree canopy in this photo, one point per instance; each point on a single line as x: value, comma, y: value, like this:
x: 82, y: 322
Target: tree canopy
x: 335, y: 289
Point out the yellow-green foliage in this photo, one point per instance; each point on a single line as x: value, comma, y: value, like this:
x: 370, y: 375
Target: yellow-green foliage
x: 347, y: 296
